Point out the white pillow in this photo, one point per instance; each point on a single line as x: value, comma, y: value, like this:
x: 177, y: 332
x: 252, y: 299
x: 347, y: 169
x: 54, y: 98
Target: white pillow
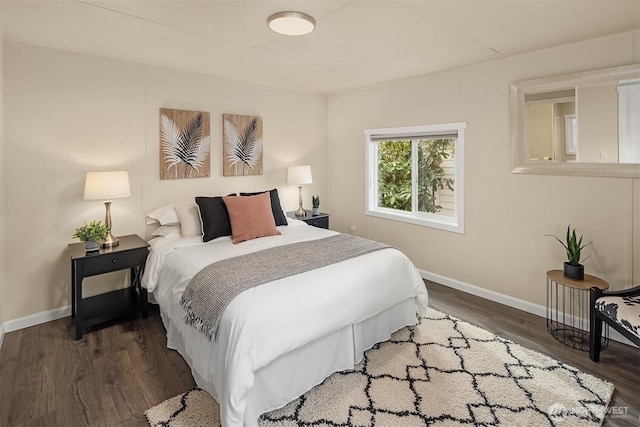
x: 167, y: 231
x: 165, y: 215
x: 189, y: 215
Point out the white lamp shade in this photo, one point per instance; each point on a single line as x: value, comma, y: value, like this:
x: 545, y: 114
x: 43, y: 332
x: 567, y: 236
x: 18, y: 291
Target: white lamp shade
x: 106, y: 185
x: 299, y: 175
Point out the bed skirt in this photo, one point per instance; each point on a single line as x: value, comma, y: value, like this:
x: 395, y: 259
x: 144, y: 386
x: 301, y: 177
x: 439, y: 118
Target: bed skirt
x: 296, y: 372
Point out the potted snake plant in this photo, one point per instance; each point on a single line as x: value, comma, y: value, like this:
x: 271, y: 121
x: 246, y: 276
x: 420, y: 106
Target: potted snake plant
x: 315, y: 203
x: 573, y: 268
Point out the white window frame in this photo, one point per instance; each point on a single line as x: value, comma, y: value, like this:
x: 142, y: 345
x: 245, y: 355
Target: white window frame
x: 443, y: 222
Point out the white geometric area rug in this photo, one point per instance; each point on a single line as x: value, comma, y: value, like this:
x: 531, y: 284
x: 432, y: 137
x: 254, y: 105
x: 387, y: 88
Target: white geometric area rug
x: 441, y: 372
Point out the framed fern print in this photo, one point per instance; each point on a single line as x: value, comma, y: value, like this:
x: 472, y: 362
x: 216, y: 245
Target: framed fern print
x: 185, y: 142
x: 242, y: 150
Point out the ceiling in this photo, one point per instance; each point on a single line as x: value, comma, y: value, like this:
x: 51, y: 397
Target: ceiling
x: 355, y: 43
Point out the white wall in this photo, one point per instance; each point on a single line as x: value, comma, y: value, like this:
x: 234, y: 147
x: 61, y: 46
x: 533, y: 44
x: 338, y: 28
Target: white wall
x: 503, y: 248
x: 3, y: 181
x: 597, y: 108
x: 69, y: 113
x: 539, y: 130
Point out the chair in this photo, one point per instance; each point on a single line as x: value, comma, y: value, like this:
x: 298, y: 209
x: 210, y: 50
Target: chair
x: 620, y: 309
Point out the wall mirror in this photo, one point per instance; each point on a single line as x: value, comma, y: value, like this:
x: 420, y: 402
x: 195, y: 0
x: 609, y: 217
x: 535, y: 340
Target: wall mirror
x: 584, y: 123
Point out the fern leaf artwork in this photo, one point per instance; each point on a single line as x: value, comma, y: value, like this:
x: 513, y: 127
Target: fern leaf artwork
x: 185, y: 142
x: 242, y: 149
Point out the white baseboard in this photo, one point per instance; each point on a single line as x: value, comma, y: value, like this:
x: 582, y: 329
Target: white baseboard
x: 36, y: 319
x: 527, y: 306
x: 537, y: 309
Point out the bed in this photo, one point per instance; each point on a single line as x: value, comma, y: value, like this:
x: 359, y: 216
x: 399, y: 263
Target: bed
x: 276, y: 341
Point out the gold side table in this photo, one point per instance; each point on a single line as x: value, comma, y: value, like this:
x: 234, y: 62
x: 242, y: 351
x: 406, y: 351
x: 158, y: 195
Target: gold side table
x: 568, y: 309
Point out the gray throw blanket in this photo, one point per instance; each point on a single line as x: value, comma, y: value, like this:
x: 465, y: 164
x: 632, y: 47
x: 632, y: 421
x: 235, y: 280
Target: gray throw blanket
x: 213, y: 288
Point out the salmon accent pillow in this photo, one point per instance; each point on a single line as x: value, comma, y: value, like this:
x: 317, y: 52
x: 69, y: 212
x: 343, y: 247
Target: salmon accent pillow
x: 251, y: 217
x: 278, y: 214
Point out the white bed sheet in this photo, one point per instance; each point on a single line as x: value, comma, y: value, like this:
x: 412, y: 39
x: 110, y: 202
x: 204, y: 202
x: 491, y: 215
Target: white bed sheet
x: 284, y: 317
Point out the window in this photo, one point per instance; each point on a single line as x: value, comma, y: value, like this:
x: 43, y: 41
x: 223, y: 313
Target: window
x: 415, y: 175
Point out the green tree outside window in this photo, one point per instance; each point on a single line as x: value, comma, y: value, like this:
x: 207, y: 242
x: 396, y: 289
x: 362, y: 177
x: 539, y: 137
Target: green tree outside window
x: 394, y: 173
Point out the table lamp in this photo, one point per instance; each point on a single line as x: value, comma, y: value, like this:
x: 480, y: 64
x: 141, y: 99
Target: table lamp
x: 299, y: 175
x: 106, y: 186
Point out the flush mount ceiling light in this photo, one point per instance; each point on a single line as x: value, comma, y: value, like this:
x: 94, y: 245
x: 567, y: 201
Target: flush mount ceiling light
x: 291, y: 23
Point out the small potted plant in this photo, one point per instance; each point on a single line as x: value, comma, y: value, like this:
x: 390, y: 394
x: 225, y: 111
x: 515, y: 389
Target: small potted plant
x: 91, y: 234
x: 573, y: 268
x: 315, y: 203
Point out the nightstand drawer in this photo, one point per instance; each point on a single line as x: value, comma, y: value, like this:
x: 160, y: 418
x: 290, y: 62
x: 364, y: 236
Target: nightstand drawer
x: 112, y: 262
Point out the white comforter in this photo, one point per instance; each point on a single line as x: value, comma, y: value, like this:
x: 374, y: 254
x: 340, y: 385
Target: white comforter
x: 268, y: 321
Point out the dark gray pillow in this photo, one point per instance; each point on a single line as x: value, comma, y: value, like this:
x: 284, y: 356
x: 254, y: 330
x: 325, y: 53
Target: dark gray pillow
x: 278, y: 215
x: 215, y: 218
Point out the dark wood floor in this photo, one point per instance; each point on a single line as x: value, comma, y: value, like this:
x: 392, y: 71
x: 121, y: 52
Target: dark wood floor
x: 112, y: 375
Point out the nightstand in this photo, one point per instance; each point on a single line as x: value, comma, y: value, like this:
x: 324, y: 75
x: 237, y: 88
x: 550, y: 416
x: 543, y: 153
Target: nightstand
x: 320, y: 221
x: 131, y: 253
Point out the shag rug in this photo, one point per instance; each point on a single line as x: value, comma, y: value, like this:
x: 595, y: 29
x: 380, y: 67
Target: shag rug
x: 442, y: 372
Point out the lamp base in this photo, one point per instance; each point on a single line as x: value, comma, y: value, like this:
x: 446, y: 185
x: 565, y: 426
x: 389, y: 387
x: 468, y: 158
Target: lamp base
x: 110, y: 241
x: 300, y: 213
